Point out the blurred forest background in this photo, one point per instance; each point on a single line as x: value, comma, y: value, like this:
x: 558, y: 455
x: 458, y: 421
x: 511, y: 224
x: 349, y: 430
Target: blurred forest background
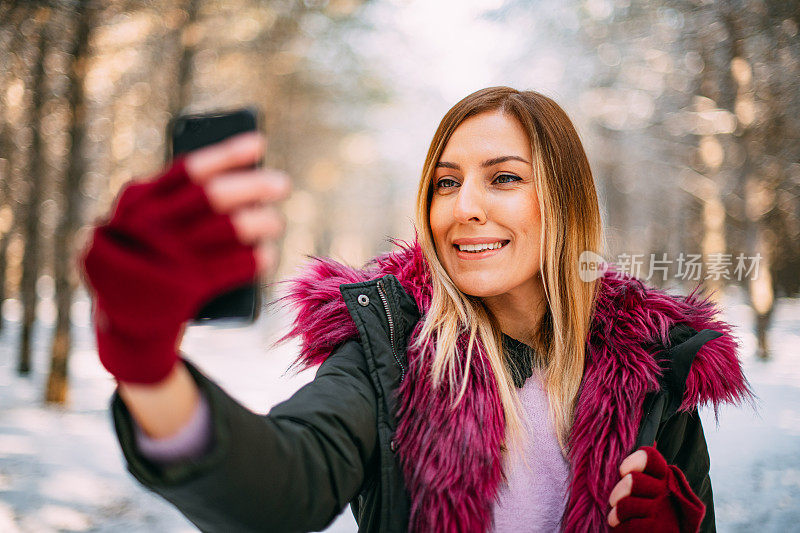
x: 689, y: 111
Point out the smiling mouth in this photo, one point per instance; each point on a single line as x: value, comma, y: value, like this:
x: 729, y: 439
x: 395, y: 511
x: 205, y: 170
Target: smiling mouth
x: 480, y: 248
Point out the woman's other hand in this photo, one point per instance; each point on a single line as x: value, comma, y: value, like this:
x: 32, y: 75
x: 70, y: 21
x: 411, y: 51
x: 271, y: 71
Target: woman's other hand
x: 653, y: 496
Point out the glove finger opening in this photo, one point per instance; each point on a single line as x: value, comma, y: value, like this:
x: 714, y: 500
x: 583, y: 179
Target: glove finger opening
x: 646, y: 486
x: 634, y: 507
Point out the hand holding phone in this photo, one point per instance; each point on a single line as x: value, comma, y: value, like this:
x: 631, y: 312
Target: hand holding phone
x: 203, y: 226
x: 192, y: 132
x: 249, y: 195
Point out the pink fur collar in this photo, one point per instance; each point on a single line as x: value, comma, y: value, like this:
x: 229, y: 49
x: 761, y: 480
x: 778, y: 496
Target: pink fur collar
x: 453, y: 481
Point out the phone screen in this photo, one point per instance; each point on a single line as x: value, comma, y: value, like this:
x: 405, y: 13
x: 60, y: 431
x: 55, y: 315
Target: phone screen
x: 190, y: 132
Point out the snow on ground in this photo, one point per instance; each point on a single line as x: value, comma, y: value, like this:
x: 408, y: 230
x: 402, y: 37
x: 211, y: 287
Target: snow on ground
x: 61, y: 469
x: 755, y: 457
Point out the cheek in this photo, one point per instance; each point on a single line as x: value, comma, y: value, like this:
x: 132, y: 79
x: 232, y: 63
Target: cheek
x: 529, y: 209
x: 522, y: 217
x: 438, y: 222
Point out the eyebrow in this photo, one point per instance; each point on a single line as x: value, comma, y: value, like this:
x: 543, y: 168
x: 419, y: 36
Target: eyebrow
x: 485, y: 164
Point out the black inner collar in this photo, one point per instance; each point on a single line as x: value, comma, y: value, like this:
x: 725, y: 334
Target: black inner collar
x: 519, y: 358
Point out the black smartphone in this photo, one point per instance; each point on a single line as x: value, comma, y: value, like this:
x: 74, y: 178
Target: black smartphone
x: 190, y: 132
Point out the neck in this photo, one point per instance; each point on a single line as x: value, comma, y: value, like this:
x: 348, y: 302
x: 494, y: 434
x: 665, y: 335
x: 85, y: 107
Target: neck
x: 519, y: 311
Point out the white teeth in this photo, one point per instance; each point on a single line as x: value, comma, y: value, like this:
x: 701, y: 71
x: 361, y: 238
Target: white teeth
x: 479, y: 247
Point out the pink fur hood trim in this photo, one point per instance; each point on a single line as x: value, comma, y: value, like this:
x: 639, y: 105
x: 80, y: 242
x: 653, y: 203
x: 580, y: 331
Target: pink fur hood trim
x: 453, y: 481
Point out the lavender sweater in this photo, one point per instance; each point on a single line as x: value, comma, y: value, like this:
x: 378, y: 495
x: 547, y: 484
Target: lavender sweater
x: 533, y: 497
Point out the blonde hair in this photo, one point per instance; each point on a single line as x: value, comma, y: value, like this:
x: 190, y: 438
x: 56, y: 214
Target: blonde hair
x: 571, y: 223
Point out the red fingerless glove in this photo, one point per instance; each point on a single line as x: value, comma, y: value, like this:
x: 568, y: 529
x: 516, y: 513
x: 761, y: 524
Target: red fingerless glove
x: 163, y: 255
x: 661, y: 500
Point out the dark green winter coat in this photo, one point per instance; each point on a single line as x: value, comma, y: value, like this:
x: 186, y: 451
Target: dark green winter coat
x: 350, y: 436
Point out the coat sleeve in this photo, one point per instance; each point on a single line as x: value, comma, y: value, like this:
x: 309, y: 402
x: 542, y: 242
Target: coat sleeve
x: 681, y: 441
x: 294, y: 469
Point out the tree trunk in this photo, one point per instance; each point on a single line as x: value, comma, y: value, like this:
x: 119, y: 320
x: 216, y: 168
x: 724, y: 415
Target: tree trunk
x: 68, y: 224
x: 187, y: 42
x: 750, y: 180
x: 761, y: 291
x: 714, y: 239
x: 13, y: 16
x: 32, y: 211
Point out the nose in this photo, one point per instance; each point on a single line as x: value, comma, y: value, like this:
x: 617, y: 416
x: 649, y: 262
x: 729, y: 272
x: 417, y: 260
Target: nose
x: 470, y: 204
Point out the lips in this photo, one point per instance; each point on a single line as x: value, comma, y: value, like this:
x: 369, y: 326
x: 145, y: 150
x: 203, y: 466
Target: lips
x: 478, y: 240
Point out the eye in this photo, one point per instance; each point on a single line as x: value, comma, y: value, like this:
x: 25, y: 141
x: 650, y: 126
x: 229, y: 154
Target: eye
x: 446, y: 183
x: 507, y: 178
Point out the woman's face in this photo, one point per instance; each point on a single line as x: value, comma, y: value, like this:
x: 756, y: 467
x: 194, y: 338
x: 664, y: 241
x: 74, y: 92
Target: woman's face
x: 484, y: 211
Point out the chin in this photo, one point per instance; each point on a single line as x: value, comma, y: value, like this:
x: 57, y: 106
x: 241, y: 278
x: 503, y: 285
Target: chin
x: 481, y: 293
x: 480, y: 288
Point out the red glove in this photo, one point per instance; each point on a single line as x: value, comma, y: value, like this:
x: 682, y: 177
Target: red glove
x: 661, y: 500
x: 162, y: 256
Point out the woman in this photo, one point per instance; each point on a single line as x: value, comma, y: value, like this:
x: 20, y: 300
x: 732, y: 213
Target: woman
x: 469, y: 381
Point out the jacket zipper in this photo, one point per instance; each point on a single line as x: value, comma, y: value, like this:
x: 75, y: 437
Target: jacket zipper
x: 385, y: 301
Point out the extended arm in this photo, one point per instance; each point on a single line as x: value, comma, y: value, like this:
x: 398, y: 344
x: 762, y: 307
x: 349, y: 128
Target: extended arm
x: 293, y: 469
